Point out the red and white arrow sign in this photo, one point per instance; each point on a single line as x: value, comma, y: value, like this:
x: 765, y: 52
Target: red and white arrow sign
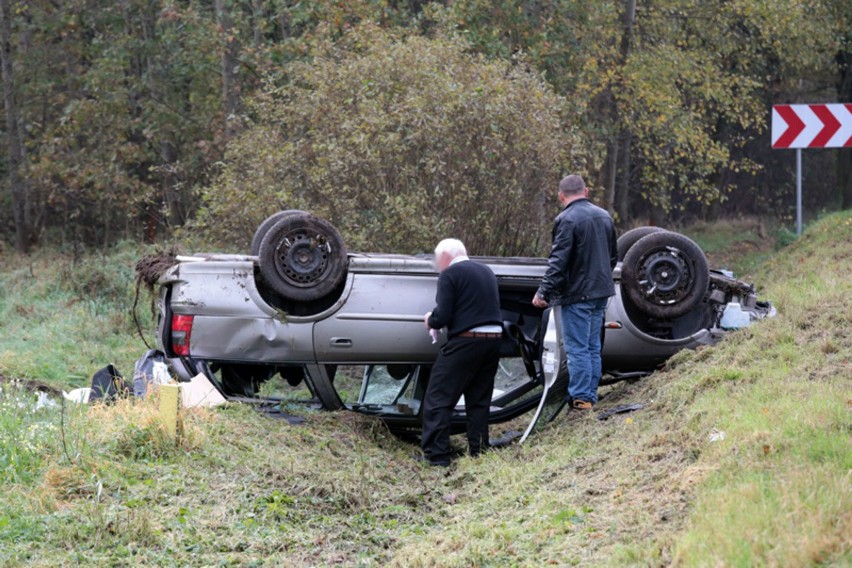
x: 812, y: 126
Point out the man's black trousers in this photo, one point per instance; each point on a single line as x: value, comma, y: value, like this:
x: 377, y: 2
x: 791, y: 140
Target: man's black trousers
x: 465, y: 366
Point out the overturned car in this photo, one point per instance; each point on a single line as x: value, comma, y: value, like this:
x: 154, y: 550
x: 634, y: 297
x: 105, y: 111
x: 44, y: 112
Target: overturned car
x: 347, y: 329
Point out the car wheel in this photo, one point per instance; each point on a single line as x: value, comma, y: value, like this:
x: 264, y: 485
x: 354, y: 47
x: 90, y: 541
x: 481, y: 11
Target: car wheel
x: 302, y: 257
x: 264, y: 227
x: 630, y: 238
x: 665, y: 275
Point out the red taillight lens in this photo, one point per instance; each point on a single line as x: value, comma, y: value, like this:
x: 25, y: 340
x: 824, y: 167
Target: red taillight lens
x: 181, y: 332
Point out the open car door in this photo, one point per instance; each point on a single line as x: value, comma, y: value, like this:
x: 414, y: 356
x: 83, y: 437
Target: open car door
x: 554, y: 373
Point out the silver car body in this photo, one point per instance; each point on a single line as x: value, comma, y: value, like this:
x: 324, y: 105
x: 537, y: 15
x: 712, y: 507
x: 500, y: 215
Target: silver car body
x: 378, y: 320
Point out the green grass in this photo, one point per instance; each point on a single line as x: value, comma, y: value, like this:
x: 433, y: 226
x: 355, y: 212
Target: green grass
x: 648, y: 488
x: 741, y: 245
x: 61, y: 319
x: 779, y: 492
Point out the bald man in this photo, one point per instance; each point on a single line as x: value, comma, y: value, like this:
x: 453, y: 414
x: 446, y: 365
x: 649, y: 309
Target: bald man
x: 468, y: 305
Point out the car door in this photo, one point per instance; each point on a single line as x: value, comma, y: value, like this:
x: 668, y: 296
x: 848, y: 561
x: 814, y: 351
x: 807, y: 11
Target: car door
x: 381, y: 322
x: 554, y: 374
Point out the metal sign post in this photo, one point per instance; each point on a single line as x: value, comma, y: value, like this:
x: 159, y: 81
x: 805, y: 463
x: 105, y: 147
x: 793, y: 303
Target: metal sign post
x: 810, y: 126
x: 798, y: 192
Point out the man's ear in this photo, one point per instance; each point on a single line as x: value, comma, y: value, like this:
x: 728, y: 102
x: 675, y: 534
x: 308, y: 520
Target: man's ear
x: 586, y: 192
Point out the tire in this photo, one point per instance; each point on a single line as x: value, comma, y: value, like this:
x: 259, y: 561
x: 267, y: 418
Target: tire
x: 302, y: 257
x: 630, y: 238
x: 264, y: 227
x: 665, y: 275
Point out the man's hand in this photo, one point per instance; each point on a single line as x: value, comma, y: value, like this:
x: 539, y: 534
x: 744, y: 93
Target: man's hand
x: 426, y: 320
x: 539, y: 302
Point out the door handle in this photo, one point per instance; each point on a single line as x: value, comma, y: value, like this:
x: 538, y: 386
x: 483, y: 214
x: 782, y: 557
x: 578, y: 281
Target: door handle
x: 341, y: 342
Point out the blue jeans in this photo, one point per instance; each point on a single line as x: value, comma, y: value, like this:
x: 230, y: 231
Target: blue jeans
x: 582, y: 323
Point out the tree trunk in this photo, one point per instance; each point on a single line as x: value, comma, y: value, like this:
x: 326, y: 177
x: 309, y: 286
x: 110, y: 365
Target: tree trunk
x: 618, y: 147
x: 257, y: 21
x: 622, y: 191
x: 14, y: 135
x: 657, y: 216
x: 171, y: 194
x: 229, y: 62
x: 610, y: 169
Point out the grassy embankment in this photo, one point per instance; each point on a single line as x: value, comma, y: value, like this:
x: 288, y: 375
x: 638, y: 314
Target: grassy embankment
x: 103, y: 485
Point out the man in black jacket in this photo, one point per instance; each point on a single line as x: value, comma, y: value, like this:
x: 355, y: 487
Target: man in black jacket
x: 468, y: 305
x: 579, y: 279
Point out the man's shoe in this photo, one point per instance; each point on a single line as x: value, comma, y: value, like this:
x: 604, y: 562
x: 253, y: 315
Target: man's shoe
x: 581, y: 404
x: 426, y: 461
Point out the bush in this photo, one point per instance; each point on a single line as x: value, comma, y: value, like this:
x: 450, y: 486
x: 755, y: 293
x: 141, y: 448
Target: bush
x: 399, y: 141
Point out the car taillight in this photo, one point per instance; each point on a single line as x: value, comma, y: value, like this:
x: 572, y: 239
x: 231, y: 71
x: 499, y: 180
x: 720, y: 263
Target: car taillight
x: 181, y: 331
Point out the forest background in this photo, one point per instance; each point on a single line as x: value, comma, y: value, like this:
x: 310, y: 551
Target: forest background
x: 405, y: 120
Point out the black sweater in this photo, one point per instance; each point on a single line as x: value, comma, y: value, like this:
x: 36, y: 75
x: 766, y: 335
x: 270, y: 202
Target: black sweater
x: 467, y: 297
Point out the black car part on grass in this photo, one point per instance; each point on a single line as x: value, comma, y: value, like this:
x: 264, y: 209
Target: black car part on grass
x: 108, y: 384
x: 620, y: 409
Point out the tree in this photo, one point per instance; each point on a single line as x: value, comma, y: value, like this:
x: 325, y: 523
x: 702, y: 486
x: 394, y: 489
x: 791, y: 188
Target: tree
x: 131, y: 115
x: 15, y: 133
x: 399, y: 140
x: 117, y: 114
x: 666, y: 94
x: 231, y: 97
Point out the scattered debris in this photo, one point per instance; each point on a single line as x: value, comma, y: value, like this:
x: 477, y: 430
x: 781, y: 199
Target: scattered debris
x: 504, y: 440
x: 44, y: 401
x: 150, y: 369
x: 31, y: 385
x: 108, y: 384
x: 716, y: 435
x: 275, y: 411
x: 200, y: 392
x: 149, y: 268
x: 620, y: 409
x: 80, y: 396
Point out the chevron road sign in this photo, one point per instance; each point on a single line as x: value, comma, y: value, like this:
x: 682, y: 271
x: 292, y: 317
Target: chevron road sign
x: 810, y: 126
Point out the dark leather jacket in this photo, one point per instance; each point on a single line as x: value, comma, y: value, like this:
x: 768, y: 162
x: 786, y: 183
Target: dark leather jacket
x: 582, y: 257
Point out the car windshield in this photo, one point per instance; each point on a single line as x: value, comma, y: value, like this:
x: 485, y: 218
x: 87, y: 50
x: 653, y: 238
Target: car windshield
x: 397, y: 385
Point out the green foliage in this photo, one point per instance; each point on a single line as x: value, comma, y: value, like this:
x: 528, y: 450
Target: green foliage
x: 399, y: 140
x: 126, y: 116
x: 693, y: 89
x: 135, y: 126
x: 786, y: 237
x: 689, y: 87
